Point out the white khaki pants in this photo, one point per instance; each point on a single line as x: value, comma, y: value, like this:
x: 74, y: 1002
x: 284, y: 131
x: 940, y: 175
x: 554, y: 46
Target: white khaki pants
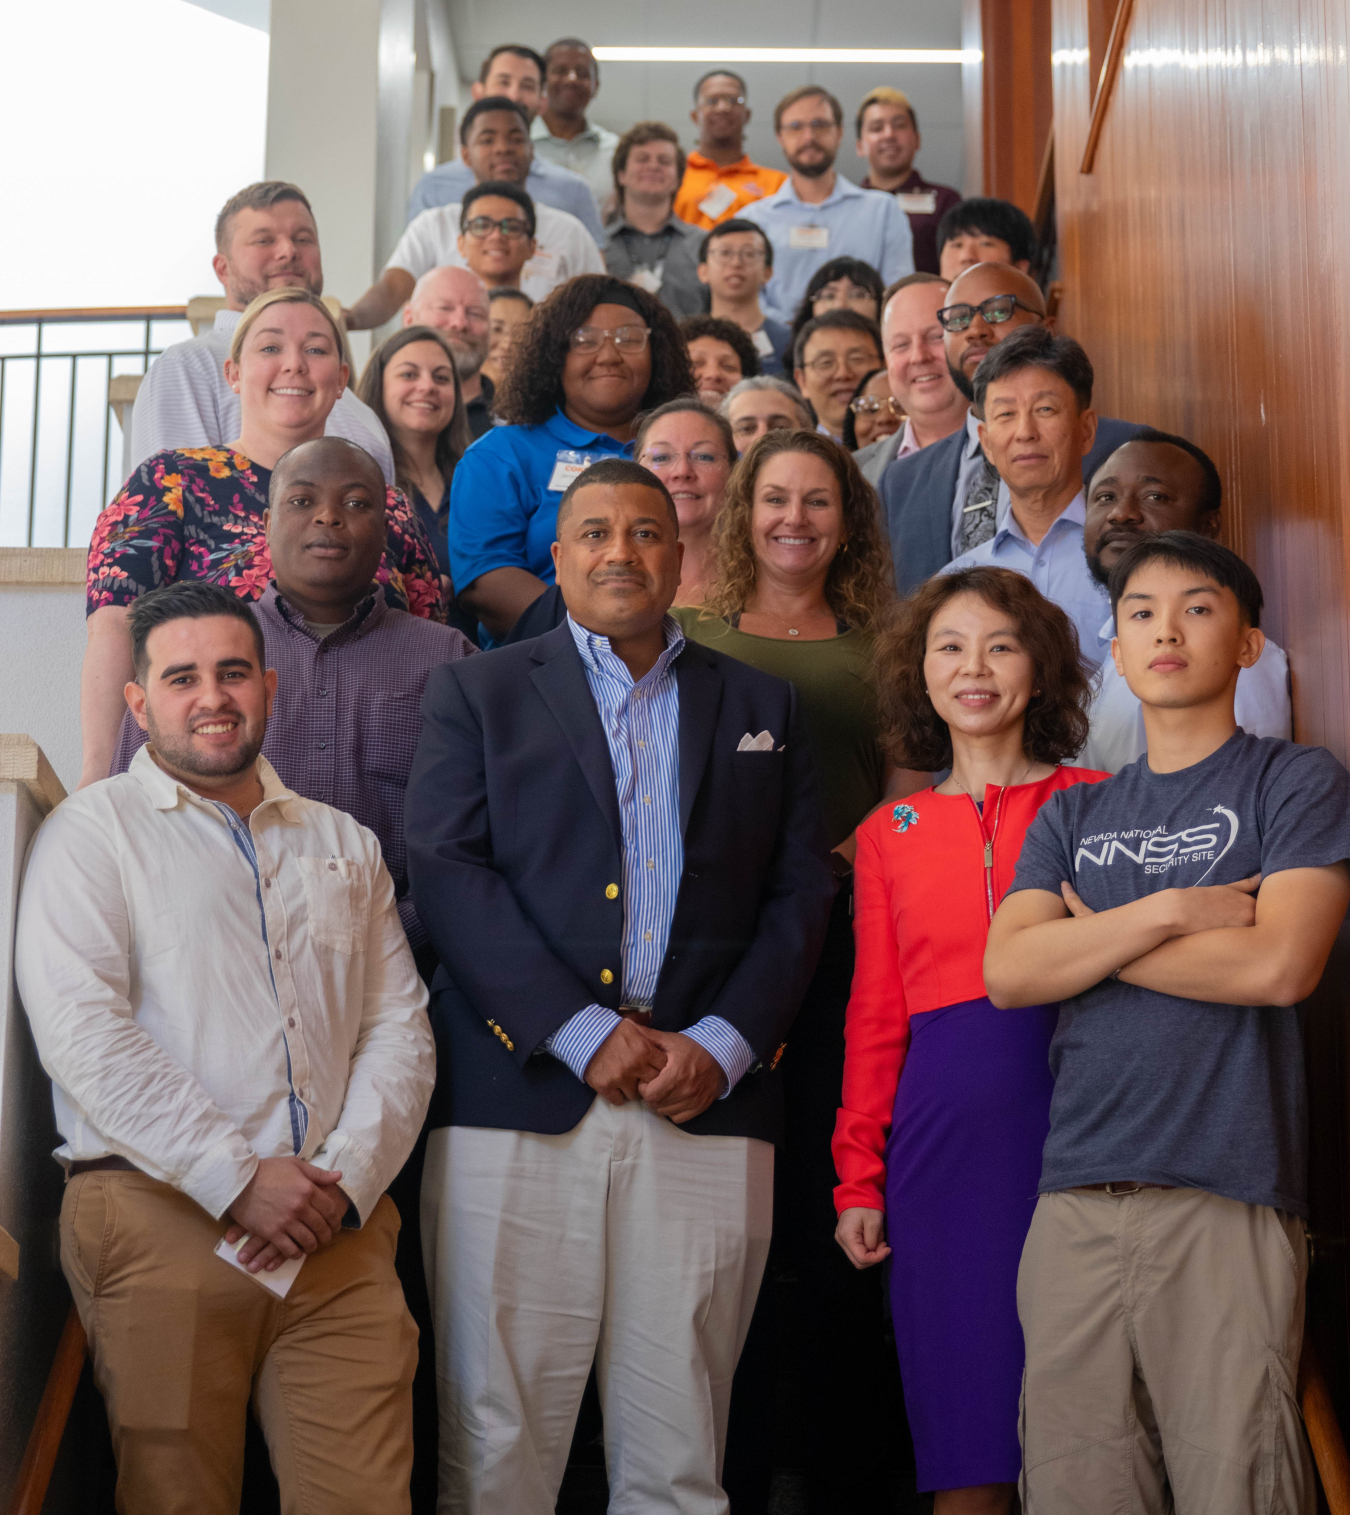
x: 625, y: 1242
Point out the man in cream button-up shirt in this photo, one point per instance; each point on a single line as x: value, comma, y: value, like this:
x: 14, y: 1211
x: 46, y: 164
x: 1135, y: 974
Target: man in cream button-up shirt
x: 221, y: 989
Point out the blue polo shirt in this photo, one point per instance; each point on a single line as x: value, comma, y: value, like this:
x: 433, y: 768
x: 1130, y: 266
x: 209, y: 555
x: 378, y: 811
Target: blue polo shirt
x: 505, y: 493
x: 852, y: 222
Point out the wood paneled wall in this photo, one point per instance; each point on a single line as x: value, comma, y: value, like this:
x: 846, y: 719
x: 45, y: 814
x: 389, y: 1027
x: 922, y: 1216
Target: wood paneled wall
x: 1206, y: 269
x: 1008, y: 97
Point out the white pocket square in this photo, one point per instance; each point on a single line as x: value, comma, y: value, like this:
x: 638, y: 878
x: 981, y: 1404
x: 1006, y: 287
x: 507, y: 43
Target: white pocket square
x: 761, y: 743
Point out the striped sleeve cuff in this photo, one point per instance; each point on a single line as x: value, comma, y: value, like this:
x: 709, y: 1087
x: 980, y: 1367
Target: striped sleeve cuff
x: 578, y: 1039
x: 732, y: 1053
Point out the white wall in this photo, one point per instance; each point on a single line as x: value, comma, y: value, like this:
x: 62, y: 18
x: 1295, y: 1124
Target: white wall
x: 42, y: 633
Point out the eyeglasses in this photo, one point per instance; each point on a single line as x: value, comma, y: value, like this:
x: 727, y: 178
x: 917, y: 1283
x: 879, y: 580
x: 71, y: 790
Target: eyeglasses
x: 828, y: 363
x: 624, y: 338
x: 817, y: 125
x: 721, y: 102
x: 866, y: 405
x: 747, y: 255
x: 658, y: 459
x: 995, y: 310
x: 509, y: 226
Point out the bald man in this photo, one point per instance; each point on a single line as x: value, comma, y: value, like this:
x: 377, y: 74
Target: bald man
x: 947, y: 499
x: 455, y: 302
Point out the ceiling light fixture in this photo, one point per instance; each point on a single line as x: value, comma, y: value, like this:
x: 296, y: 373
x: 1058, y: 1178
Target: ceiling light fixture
x: 787, y: 55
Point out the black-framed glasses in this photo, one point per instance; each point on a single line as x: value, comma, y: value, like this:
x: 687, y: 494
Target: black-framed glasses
x: 624, y: 338
x: 509, y: 226
x: 995, y: 311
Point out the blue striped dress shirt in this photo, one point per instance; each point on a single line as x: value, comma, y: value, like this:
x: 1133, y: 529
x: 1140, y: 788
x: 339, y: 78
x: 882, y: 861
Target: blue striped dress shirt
x: 642, y: 730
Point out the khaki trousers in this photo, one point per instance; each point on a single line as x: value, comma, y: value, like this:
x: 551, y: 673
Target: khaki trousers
x: 181, y: 1341
x: 1163, y: 1332
x: 625, y: 1242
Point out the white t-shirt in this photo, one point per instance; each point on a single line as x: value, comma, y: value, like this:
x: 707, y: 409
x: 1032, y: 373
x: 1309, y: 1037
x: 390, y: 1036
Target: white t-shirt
x: 563, y: 248
x: 1116, y: 736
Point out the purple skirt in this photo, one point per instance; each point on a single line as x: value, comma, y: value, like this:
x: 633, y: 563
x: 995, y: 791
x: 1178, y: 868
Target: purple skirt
x: 964, y: 1157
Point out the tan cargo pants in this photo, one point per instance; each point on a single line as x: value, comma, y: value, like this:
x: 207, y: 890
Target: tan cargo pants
x: 181, y: 1341
x: 1163, y: 1330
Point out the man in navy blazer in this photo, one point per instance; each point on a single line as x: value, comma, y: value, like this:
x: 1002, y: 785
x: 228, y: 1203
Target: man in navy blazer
x: 919, y: 493
x: 616, y: 845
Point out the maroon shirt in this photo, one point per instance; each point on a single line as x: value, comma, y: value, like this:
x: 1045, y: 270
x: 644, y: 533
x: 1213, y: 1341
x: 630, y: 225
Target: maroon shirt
x: 347, y: 716
x: 923, y: 224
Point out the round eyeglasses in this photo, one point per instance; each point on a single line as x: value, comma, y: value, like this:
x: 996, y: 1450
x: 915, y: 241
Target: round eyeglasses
x: 509, y: 226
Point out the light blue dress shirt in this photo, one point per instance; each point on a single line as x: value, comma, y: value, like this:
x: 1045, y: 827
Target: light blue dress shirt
x: 859, y: 224
x: 546, y: 182
x: 1057, y: 567
x: 642, y: 730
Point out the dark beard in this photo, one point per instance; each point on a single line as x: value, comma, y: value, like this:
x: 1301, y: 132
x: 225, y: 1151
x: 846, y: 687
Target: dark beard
x: 962, y: 383
x: 181, y: 758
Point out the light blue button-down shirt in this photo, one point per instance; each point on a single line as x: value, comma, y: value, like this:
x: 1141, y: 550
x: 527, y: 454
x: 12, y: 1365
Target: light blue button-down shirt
x: 859, y: 223
x: 642, y: 731
x: 1056, y: 565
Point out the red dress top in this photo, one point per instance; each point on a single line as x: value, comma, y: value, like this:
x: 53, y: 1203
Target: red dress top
x: 929, y: 874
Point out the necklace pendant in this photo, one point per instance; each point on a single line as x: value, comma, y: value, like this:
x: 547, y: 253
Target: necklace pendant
x: 792, y: 631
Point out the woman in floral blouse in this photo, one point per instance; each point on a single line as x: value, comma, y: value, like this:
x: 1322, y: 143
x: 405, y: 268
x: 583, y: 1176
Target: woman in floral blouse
x: 197, y: 513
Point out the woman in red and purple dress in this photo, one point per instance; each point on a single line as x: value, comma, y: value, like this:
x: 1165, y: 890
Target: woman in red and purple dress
x: 946, y: 1100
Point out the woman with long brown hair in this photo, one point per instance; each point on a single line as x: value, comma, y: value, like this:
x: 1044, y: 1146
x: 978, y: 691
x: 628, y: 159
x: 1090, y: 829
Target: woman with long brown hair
x: 946, y: 1100
x: 801, y: 581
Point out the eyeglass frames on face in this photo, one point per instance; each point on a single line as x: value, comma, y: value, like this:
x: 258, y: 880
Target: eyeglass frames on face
x: 995, y: 311
x: 817, y: 126
x: 624, y: 338
x: 509, y: 226
x: 659, y: 459
x: 748, y: 255
x: 721, y: 102
x: 828, y: 363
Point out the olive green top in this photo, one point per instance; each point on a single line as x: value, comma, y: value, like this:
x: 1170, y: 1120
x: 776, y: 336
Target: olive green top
x: 838, y: 700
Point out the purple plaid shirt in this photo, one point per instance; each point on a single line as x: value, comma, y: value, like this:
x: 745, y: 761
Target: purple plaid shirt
x: 347, y: 716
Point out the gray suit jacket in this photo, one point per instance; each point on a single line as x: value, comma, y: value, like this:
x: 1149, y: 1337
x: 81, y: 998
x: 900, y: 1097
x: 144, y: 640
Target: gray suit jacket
x: 917, y: 494
x: 877, y: 457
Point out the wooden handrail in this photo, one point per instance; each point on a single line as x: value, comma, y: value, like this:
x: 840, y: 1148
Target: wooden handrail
x: 1115, y: 53
x: 44, y: 1440
x: 1324, y: 1431
x: 1045, y: 185
x: 96, y: 313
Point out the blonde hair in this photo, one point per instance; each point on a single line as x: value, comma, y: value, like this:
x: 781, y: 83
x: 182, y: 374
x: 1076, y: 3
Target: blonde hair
x: 859, y: 584
x: 291, y: 295
x: 885, y: 95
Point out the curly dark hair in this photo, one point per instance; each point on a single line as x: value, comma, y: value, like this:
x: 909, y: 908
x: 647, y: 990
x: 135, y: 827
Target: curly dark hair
x: 532, y: 389
x: 854, y: 269
x: 1056, y: 721
x: 859, y: 584
x: 735, y: 337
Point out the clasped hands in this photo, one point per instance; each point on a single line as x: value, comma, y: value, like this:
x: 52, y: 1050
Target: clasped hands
x: 672, y: 1073
x: 288, y: 1208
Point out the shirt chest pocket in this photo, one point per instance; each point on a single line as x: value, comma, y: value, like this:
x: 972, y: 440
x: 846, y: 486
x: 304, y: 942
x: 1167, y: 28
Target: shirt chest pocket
x: 334, y: 901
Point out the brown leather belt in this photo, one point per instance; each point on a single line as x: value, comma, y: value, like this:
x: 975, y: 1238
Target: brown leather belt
x: 102, y: 1165
x: 634, y: 1013
x: 1122, y: 1186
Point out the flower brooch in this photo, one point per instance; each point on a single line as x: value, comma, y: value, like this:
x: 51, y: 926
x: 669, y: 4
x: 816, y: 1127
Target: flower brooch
x: 904, y: 817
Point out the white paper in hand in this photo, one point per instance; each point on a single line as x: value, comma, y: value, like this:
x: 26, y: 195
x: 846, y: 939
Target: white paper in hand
x: 277, y: 1282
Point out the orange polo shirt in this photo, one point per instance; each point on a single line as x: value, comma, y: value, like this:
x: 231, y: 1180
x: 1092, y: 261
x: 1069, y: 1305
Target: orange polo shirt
x: 744, y: 181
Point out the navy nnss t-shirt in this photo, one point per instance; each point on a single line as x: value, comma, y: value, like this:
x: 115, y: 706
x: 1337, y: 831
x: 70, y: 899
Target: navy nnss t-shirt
x: 1177, y: 1091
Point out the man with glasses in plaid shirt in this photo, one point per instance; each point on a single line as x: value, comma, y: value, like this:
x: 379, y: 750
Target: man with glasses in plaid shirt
x: 947, y: 499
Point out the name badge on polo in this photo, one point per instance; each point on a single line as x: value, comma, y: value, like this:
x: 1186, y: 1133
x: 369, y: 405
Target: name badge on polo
x: 649, y: 278
x: 812, y: 238
x: 760, y: 340
x: 921, y: 202
x: 569, y: 465
x: 720, y: 198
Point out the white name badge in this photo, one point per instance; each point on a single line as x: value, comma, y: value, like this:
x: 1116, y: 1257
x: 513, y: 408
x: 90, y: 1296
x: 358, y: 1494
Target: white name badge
x: 762, y: 344
x: 922, y: 202
x: 569, y: 465
x: 648, y: 279
x: 719, y: 199
x: 813, y: 238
